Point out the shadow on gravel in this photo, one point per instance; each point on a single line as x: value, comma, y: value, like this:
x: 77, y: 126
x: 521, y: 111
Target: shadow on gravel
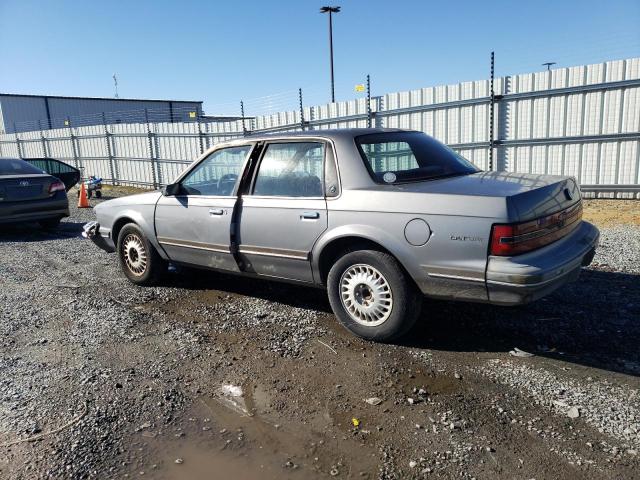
x: 33, y: 232
x: 290, y: 294
x: 592, y: 322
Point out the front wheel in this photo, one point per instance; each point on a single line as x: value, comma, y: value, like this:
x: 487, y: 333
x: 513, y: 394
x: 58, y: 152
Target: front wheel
x: 372, y: 296
x: 138, y: 259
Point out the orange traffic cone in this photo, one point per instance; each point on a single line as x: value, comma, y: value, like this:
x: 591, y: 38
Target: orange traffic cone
x: 83, y: 201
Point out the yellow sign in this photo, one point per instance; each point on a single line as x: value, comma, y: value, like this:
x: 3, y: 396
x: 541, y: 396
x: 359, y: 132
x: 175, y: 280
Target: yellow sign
x: 360, y: 87
x: 192, y: 114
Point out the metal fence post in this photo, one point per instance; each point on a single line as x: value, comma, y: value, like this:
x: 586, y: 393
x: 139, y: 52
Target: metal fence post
x: 244, y: 128
x: 491, y: 112
x: 151, y: 150
x: 43, y: 141
x: 200, y: 137
x: 368, y: 101
x: 18, y: 145
x: 301, y: 109
x: 113, y: 169
x: 74, y: 148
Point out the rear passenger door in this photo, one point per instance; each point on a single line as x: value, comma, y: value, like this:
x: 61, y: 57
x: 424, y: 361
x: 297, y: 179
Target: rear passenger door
x: 285, y: 211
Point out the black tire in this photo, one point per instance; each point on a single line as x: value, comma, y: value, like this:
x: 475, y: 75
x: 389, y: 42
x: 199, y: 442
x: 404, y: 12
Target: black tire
x: 405, y: 298
x: 133, y: 245
x: 98, y: 194
x: 50, y: 223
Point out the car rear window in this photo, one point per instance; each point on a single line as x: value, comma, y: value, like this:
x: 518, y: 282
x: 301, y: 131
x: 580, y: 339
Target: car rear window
x: 11, y: 166
x: 399, y: 157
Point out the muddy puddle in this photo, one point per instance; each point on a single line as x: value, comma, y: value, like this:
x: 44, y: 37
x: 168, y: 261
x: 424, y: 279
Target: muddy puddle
x: 230, y: 436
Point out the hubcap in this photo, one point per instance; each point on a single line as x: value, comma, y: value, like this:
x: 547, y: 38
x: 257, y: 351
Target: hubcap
x: 134, y: 254
x: 366, y: 295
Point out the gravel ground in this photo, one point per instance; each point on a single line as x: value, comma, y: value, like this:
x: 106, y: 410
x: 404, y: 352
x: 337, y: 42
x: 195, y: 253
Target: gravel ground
x: 102, y: 379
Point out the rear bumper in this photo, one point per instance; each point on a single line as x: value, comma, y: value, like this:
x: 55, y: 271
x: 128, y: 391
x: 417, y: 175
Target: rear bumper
x: 102, y: 239
x: 32, y: 211
x: 524, y: 278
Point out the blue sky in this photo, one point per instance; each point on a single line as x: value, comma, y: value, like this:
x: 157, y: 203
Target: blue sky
x: 263, y: 51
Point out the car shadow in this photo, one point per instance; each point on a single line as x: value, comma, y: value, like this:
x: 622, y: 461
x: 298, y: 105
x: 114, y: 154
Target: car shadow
x: 33, y: 232
x: 593, y: 322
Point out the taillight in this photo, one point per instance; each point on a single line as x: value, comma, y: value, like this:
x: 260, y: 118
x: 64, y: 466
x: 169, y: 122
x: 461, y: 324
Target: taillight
x: 512, y: 239
x: 56, y: 186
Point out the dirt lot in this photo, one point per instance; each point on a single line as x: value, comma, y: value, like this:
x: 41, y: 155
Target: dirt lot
x: 211, y: 376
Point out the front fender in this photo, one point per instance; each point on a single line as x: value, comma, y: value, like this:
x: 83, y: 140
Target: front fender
x: 143, y: 216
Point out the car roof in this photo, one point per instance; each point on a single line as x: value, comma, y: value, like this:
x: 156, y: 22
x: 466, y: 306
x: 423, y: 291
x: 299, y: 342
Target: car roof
x: 330, y: 134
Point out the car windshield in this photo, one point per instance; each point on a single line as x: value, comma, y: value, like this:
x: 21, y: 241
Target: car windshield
x: 11, y: 166
x: 398, y: 157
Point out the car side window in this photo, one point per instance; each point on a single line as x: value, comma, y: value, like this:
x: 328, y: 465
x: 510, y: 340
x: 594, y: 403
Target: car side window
x: 292, y: 169
x: 217, y: 174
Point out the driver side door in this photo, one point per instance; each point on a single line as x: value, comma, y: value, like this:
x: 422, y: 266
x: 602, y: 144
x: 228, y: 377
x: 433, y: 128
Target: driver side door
x: 194, y: 226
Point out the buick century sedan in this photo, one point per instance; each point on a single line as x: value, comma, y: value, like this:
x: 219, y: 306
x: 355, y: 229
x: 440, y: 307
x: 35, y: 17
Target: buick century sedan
x: 378, y: 217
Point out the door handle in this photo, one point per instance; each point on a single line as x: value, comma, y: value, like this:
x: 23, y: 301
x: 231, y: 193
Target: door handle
x: 216, y: 211
x: 309, y: 216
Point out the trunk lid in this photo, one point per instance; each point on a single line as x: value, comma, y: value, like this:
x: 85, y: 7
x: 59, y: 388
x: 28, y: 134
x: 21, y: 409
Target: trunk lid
x: 22, y: 188
x: 527, y: 196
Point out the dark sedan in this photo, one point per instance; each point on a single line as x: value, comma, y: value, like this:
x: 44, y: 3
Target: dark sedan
x: 27, y: 194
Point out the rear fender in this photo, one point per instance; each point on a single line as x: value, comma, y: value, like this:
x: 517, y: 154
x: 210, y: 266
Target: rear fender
x: 402, y: 251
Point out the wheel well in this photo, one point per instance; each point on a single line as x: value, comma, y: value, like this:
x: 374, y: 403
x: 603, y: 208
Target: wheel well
x: 117, y: 226
x: 336, y: 248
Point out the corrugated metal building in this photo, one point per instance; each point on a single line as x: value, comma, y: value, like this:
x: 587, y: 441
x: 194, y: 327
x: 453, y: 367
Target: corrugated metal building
x: 24, y: 113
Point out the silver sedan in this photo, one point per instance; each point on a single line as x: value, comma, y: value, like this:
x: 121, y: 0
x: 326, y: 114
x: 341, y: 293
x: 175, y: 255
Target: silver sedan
x: 378, y: 217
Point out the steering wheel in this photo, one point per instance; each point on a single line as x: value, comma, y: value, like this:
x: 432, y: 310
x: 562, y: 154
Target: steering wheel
x: 227, y: 178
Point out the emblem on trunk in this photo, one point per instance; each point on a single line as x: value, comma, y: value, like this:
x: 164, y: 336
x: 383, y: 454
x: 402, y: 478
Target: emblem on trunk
x: 24, y: 183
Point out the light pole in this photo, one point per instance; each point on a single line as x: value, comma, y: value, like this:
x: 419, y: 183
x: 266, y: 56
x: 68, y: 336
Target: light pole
x: 330, y: 11
x: 548, y: 65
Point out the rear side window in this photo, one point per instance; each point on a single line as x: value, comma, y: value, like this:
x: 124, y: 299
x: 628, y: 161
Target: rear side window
x: 17, y: 167
x: 397, y: 157
x: 291, y: 170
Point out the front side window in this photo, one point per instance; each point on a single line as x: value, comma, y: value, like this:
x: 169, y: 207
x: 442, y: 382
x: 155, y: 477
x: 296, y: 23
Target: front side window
x: 398, y: 157
x: 217, y: 174
x: 291, y: 170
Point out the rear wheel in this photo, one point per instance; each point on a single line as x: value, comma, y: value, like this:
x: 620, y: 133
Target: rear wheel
x: 138, y: 259
x: 372, y: 296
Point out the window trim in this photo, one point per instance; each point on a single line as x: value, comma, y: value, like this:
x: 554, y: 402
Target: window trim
x: 265, y: 147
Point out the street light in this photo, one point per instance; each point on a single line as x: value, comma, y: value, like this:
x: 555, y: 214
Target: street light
x: 331, y: 10
x: 548, y: 65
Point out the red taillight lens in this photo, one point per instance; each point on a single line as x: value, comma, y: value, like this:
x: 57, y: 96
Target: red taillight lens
x: 499, y: 236
x: 56, y: 186
x: 527, y: 236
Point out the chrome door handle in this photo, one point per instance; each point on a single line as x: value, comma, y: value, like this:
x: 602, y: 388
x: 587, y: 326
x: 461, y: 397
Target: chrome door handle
x: 216, y: 211
x: 309, y: 216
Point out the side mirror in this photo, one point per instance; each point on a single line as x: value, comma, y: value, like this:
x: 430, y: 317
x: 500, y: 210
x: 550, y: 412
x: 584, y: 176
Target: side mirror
x: 171, y: 190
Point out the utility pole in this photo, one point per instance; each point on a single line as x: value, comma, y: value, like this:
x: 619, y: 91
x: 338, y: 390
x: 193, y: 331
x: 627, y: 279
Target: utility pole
x: 330, y: 11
